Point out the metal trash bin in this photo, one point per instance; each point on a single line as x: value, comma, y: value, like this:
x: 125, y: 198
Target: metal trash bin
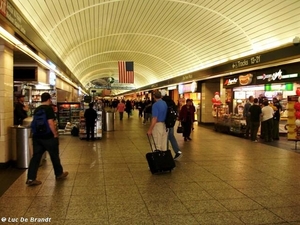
x: 23, y: 146
x: 109, y: 121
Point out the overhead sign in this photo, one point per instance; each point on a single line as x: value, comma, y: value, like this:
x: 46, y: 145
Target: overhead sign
x: 246, y: 62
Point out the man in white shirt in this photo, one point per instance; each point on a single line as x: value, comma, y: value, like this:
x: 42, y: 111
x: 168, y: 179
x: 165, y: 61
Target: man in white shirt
x: 267, y: 121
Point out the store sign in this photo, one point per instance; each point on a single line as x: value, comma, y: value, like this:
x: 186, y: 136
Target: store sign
x: 187, y: 77
x: 52, y: 78
x: 246, y: 62
x: 13, y: 16
x: 180, y: 89
x: 245, y: 79
x: 279, y: 87
x: 276, y: 76
x: 232, y: 81
x: 172, y: 87
x: 186, y: 88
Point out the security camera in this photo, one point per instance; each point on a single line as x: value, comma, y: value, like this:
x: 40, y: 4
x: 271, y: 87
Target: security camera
x: 296, y: 41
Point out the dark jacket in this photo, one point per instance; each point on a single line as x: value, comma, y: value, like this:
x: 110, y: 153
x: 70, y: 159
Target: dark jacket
x: 170, y: 102
x: 90, y: 115
x: 19, y: 114
x: 185, y: 114
x: 128, y: 106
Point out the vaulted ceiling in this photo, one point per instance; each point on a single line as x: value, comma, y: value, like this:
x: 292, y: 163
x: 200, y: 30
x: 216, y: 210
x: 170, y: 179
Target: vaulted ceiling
x: 164, y: 38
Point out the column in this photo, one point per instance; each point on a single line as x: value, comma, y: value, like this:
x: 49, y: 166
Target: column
x: 6, y: 103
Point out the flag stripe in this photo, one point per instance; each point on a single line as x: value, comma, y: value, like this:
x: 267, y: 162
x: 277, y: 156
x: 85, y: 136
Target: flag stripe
x: 126, y: 72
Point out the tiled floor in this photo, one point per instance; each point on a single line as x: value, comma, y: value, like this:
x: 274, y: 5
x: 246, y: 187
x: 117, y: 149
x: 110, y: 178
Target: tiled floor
x: 220, y: 179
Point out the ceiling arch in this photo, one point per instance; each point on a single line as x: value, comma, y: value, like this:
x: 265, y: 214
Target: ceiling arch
x: 164, y: 38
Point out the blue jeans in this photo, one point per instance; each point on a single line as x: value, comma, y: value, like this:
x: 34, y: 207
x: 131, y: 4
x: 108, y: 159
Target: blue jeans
x: 39, y: 147
x: 173, y: 140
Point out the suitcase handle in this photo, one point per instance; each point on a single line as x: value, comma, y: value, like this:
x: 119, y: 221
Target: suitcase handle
x: 154, y: 141
x: 151, y: 143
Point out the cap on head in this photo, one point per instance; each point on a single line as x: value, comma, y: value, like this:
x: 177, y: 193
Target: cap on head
x: 45, y: 97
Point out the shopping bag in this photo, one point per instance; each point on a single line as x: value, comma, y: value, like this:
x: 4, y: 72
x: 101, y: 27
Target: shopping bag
x: 179, y: 129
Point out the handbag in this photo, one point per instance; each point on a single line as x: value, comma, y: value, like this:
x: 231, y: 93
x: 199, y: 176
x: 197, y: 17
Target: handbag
x: 179, y: 129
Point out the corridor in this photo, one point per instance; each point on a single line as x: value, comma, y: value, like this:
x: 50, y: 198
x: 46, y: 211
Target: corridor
x: 220, y: 179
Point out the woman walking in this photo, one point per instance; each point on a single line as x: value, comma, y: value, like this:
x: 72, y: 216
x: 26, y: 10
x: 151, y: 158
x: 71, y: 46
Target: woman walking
x: 186, y: 117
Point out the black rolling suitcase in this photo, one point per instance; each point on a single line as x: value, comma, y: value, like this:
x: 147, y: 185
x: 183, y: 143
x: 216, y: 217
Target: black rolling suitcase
x: 159, y: 161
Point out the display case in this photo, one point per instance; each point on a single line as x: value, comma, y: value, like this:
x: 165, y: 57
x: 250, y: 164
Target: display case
x: 222, y: 118
x: 229, y: 123
x: 237, y: 124
x: 68, y: 112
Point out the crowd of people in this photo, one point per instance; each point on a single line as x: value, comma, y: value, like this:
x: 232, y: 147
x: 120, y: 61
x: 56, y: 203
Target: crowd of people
x: 259, y: 112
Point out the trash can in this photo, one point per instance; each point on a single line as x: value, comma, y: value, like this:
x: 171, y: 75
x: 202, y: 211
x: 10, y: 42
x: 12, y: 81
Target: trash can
x: 109, y: 121
x: 23, y: 147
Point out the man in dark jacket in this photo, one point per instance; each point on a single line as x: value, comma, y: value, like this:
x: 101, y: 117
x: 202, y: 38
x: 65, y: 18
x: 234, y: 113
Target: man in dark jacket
x: 90, y: 116
x: 171, y: 137
x: 255, y: 114
x: 20, y: 112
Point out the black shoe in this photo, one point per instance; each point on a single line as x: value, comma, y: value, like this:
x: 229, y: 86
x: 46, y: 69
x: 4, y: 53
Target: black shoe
x: 177, y: 156
x: 185, y: 139
x: 189, y: 138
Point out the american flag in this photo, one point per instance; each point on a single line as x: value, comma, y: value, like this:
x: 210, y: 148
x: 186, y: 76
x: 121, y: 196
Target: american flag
x: 126, y: 73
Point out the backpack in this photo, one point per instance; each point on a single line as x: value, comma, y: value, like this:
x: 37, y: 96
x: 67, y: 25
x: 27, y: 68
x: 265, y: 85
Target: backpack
x: 75, y: 131
x: 39, y: 125
x: 171, y: 117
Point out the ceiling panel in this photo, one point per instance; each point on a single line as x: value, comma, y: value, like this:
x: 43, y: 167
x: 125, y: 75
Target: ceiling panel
x: 164, y: 38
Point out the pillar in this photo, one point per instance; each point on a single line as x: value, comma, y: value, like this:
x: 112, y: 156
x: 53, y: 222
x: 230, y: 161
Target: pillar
x: 6, y: 103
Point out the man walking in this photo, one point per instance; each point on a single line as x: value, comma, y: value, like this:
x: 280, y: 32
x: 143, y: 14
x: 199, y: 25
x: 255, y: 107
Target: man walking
x: 158, y: 127
x: 171, y: 136
x: 46, y: 142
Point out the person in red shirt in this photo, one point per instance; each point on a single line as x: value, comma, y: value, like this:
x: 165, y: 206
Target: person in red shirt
x: 121, y: 108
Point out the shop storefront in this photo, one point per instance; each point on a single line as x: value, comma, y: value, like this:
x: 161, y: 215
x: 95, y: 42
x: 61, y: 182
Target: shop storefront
x: 189, y: 91
x: 277, y: 82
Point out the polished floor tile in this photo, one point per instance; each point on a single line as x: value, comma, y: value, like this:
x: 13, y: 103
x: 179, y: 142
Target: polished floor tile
x: 220, y: 179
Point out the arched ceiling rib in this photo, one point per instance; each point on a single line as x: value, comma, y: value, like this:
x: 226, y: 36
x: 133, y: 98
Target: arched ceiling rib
x: 165, y: 38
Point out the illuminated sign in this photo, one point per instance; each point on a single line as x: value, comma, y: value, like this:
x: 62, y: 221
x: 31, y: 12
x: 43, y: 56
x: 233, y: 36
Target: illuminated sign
x: 279, y: 87
x: 229, y: 82
x: 245, y: 79
x: 276, y: 76
x: 172, y: 87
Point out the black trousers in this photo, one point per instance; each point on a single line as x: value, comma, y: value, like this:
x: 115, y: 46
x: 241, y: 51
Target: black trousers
x: 267, y: 127
x: 187, y: 128
x: 254, y: 130
x: 90, y: 130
